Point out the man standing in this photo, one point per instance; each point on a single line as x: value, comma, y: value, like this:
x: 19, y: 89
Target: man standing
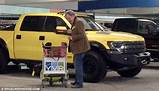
x: 79, y: 45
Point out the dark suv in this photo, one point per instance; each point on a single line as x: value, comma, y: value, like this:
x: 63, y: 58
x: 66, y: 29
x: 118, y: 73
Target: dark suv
x: 144, y: 27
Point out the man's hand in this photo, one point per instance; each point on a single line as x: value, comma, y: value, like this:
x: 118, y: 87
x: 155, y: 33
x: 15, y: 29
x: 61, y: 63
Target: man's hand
x: 69, y: 31
x: 70, y: 37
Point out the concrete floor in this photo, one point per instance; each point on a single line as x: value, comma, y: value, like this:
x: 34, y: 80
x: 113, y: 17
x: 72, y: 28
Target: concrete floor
x: 147, y: 80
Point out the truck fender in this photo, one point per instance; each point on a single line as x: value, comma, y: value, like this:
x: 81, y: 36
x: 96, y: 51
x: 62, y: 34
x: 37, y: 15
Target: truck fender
x: 97, y: 45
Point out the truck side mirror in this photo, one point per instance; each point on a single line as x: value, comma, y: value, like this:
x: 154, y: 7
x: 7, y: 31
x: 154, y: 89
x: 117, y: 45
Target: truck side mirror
x: 61, y: 30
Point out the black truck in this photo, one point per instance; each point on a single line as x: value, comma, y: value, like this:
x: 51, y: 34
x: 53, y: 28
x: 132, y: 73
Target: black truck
x: 144, y: 27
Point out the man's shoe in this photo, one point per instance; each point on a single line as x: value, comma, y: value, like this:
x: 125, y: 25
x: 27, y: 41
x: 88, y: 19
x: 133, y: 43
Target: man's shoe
x: 76, y: 86
x: 73, y: 83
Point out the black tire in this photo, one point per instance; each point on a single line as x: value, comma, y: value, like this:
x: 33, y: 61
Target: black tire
x: 94, y: 68
x: 130, y: 73
x: 50, y: 81
x: 4, y: 59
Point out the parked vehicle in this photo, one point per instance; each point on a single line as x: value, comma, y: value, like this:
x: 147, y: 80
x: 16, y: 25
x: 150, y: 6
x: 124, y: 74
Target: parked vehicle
x: 118, y: 51
x: 144, y: 27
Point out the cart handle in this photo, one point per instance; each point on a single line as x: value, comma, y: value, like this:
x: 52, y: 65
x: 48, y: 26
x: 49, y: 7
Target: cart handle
x: 62, y: 44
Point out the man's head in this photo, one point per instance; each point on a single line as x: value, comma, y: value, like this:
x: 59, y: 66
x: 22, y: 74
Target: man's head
x: 70, y: 15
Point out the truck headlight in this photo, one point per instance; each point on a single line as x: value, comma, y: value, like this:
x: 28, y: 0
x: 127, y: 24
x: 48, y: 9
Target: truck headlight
x: 117, y: 46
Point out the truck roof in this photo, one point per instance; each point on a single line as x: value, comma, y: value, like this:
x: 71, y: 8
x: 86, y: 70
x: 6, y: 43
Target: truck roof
x: 58, y: 13
x: 40, y: 14
x: 135, y: 19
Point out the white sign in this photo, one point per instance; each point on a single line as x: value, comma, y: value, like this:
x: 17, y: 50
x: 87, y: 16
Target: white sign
x: 54, y: 65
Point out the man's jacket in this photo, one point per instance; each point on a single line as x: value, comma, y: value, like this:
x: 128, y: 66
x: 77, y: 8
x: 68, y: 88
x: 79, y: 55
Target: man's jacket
x: 79, y: 43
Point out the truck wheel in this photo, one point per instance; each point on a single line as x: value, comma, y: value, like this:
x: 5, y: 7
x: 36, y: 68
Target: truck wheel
x: 3, y: 61
x: 94, y: 67
x: 130, y: 73
x: 30, y: 66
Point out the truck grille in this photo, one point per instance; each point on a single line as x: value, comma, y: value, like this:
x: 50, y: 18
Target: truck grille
x: 134, y: 47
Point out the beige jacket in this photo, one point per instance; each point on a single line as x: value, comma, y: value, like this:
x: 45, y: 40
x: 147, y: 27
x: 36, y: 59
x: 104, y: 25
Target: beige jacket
x: 79, y: 43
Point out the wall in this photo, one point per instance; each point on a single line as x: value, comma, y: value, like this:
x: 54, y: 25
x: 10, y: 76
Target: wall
x: 5, y: 9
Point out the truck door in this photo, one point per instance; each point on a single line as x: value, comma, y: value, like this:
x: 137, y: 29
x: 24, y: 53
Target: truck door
x: 34, y: 31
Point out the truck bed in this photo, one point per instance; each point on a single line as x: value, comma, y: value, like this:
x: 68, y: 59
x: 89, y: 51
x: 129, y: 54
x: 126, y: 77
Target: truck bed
x: 8, y: 22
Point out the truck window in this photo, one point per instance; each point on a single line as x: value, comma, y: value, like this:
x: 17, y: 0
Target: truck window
x: 52, y: 22
x: 33, y: 23
x: 142, y: 27
x: 41, y: 23
x: 60, y: 22
x: 147, y: 27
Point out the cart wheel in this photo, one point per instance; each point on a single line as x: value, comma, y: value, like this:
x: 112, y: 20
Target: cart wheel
x: 42, y: 84
x: 50, y: 81
x: 65, y: 82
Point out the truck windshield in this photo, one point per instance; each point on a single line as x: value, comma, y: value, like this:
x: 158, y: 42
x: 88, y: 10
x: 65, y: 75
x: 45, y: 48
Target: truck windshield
x: 102, y: 27
x: 89, y: 24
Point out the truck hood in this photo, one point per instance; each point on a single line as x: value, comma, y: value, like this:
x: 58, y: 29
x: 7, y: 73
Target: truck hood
x: 113, y: 36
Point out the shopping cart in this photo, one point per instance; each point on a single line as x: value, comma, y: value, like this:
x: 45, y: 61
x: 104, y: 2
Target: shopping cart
x: 54, y: 65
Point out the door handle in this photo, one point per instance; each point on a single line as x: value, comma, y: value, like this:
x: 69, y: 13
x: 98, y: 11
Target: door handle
x: 18, y: 36
x: 48, y: 44
x: 41, y: 38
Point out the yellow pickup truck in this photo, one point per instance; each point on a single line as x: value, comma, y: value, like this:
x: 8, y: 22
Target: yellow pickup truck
x: 118, y: 51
